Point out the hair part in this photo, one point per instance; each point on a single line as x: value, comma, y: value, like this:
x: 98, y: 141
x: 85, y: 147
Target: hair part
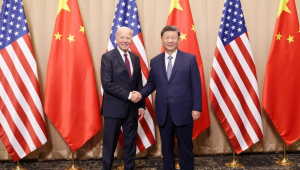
x: 170, y: 28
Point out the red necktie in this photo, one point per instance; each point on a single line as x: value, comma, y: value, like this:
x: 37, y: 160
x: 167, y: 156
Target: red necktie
x: 127, y: 65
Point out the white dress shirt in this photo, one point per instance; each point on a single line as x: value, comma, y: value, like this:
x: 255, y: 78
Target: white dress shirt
x: 167, y: 59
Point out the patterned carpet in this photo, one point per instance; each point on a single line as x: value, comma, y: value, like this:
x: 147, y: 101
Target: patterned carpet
x: 252, y: 161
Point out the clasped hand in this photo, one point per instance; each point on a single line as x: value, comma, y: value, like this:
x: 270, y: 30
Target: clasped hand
x: 135, y: 96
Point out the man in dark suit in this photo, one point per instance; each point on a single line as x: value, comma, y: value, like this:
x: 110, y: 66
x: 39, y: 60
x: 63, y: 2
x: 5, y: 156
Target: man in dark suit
x: 120, y: 74
x: 175, y: 77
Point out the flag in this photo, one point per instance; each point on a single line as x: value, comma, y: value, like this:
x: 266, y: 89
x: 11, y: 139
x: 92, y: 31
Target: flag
x: 281, y: 93
x: 22, y: 123
x: 233, y: 85
x: 71, y: 100
x: 126, y: 14
x: 180, y: 15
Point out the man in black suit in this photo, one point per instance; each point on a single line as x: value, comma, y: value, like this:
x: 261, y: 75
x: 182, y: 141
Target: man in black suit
x: 175, y: 76
x: 120, y: 75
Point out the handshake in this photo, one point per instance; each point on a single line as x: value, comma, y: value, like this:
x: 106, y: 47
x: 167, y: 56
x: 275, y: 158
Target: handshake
x: 135, y: 96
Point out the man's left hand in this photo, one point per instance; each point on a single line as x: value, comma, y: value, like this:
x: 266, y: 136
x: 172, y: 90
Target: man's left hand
x: 141, y: 113
x: 196, y: 115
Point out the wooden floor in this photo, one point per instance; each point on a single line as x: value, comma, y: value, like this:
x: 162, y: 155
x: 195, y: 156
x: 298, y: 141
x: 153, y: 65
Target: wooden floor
x: 252, y: 161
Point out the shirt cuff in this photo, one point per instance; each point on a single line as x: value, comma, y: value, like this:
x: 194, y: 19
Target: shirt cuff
x: 129, y: 97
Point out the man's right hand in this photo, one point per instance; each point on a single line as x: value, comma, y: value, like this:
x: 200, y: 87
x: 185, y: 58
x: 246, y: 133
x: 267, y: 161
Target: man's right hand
x: 135, y: 96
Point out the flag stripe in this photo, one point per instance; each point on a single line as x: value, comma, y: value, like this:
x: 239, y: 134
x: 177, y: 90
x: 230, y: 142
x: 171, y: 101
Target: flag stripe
x: 20, y: 112
x: 22, y: 88
x: 227, y: 114
x: 235, y: 100
x: 13, y: 141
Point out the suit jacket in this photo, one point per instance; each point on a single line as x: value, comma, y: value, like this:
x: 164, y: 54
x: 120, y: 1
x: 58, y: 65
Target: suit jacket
x: 117, y: 85
x: 182, y: 92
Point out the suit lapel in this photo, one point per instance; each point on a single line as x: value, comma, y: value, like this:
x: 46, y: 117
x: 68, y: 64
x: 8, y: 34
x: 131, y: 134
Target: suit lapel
x: 163, y: 66
x: 120, y: 59
x: 178, y: 60
x: 133, y: 62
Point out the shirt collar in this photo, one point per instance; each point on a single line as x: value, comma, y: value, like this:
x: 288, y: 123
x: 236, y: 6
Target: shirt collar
x: 122, y: 52
x: 173, y: 55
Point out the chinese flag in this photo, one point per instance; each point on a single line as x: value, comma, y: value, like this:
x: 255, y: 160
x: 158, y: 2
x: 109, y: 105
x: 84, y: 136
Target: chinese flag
x: 71, y: 100
x: 281, y: 94
x: 180, y: 15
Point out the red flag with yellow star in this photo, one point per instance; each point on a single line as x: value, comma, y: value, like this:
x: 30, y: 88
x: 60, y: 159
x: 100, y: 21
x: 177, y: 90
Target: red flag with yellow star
x: 71, y: 100
x: 180, y: 15
x: 281, y: 93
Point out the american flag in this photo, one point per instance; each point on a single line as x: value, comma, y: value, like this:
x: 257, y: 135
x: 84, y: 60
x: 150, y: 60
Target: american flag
x: 233, y: 84
x: 22, y: 123
x: 126, y: 14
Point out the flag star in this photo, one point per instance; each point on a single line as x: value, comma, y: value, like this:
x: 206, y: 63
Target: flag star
x: 127, y: 14
x: 129, y: 6
x: 115, y: 42
x: 13, y: 15
x: 119, y: 26
x: 133, y: 16
x: 224, y: 8
x: 24, y: 28
x: 120, y: 18
x: 234, y: 20
x: 116, y: 9
x: 241, y: 22
x: 233, y: 27
x: 226, y: 32
x: 16, y: 33
x: 290, y: 39
x: 224, y: 39
x: 135, y: 9
x: 232, y: 34
x: 1, y: 36
x: 71, y: 38
x: 113, y: 24
x: 7, y: 5
x: 114, y: 16
x: 11, y: 23
x: 221, y: 22
x: 82, y: 29
x: 193, y: 28
x: 132, y: 24
x: 228, y: 17
x: 227, y: 25
x: 4, y: 20
x: 21, y: 3
x: 6, y: 13
x: 25, y: 20
x: 2, y: 28
x: 8, y: 38
x: 182, y: 36
x: 223, y: 15
x: 57, y: 36
x: 18, y: 25
x: 19, y: 18
x: 239, y: 29
x: 283, y: 7
x: 139, y: 26
x: 63, y: 6
x: 278, y: 36
x: 242, y: 15
x: 10, y: 31
x: 230, y: 3
x: 14, y: 8
x: 235, y: 12
x: 123, y: 4
x: 121, y: 11
x: 0, y: 43
x: 16, y: 1
x: 126, y: 22
x: 220, y: 30
x: 236, y: 5
x: 21, y: 10
x: 229, y: 10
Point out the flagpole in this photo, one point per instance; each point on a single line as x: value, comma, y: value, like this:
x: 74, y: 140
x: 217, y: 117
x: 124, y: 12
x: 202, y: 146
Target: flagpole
x: 73, y: 166
x: 234, y: 163
x: 18, y: 167
x: 284, y: 161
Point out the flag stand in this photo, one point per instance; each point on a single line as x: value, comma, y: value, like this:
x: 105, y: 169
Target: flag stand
x: 284, y: 161
x: 73, y: 166
x: 18, y: 167
x: 177, y: 165
x: 234, y: 163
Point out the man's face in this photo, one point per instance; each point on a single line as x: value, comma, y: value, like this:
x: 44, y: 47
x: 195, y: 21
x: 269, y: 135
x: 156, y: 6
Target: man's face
x: 124, y: 38
x: 170, y: 41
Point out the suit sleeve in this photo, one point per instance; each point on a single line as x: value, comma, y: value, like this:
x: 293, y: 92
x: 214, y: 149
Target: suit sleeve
x: 141, y: 103
x: 150, y: 85
x: 107, y: 79
x: 196, y: 85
